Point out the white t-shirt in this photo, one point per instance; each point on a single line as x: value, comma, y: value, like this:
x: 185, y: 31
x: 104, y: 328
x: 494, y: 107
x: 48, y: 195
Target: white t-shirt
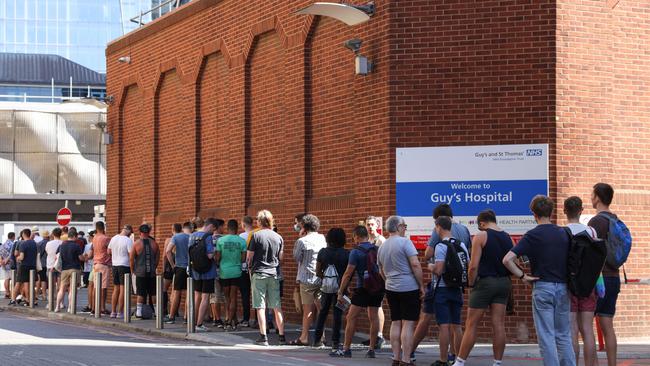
x: 50, y: 248
x: 88, y: 265
x: 120, y: 246
x: 578, y: 228
x: 244, y: 235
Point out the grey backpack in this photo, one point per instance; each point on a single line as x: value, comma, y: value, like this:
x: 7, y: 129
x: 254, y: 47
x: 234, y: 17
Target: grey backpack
x: 330, y: 284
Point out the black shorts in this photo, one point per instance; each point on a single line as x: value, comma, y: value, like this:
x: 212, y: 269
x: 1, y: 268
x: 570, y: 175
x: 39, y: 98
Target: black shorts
x: 204, y: 286
x: 180, y: 279
x: 145, y: 286
x: 118, y: 274
x: 228, y: 282
x: 364, y: 299
x: 42, y: 275
x: 168, y: 275
x: 23, y: 273
x: 404, y: 305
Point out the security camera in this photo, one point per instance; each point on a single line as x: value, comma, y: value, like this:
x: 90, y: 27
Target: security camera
x: 353, y: 44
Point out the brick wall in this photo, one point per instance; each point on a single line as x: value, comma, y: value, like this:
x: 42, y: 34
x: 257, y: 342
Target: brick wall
x: 231, y: 107
x: 603, y: 117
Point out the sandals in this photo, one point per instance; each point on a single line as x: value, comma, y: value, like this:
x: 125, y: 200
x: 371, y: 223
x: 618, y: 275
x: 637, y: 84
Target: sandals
x: 298, y: 342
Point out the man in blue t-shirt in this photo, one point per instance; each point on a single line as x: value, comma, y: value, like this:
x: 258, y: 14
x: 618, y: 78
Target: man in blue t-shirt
x: 203, y: 282
x: 178, y: 257
x: 547, y: 247
x: 458, y: 231
x: 362, y: 298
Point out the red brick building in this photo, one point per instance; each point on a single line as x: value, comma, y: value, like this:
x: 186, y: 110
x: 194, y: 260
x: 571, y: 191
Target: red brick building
x: 228, y: 107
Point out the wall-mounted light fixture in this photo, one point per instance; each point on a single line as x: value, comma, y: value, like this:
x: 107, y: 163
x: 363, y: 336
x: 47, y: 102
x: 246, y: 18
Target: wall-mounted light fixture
x: 361, y: 64
x: 124, y: 59
x: 346, y: 13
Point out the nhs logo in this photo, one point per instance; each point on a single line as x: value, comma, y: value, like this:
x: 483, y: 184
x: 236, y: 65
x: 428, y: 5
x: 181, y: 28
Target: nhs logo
x: 534, y: 152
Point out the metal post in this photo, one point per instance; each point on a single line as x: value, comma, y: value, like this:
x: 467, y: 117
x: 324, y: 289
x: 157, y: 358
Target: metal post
x: 189, y: 304
x: 159, y: 302
x: 127, y: 297
x: 73, y: 292
x: 98, y: 294
x: 32, y: 280
x: 12, y: 284
x: 50, y: 291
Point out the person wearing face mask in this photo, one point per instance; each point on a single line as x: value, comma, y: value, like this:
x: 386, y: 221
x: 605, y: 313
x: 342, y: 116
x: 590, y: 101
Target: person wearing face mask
x: 297, y: 224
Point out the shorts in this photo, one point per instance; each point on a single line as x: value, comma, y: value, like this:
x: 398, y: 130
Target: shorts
x: 106, y: 274
x: 584, y: 304
x: 404, y: 305
x: 606, y: 307
x: 54, y: 273
x: 180, y: 279
x: 42, y: 275
x: 204, y: 286
x: 266, y: 292
x: 217, y: 296
x: 488, y: 291
x: 145, y: 286
x: 118, y: 274
x: 449, y: 303
x: 66, y: 277
x: 23, y: 273
x: 168, y: 275
x: 362, y: 298
x: 229, y: 282
x: 429, y: 303
x: 309, y: 293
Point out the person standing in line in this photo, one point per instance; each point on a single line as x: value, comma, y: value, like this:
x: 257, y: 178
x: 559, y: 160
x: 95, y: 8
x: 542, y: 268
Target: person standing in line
x: 231, y: 251
x: 305, y: 253
x: 71, y: 259
x: 5, y: 263
x: 203, y: 281
x: 490, y: 282
x: 372, y: 225
x: 41, y: 276
x: 168, y: 269
x: 178, y: 257
x: 448, y: 297
x: 362, y: 299
x: 400, y: 267
x: 51, y: 248
x: 36, y: 236
x: 217, y: 298
x: 25, y: 255
x: 601, y: 198
x: 245, y: 281
x: 547, y: 247
x: 101, y: 263
x: 143, y: 260
x: 333, y: 255
x: 119, y: 249
x: 90, y: 281
x: 264, y: 255
x: 582, y: 308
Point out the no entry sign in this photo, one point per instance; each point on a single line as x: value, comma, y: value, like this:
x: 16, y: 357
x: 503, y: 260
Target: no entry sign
x: 64, y: 216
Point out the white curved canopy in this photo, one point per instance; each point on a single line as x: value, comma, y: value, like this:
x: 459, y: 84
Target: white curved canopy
x: 348, y: 14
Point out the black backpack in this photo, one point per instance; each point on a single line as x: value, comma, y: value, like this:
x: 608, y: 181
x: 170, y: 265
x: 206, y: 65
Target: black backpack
x: 585, y: 262
x: 455, y: 274
x: 199, y: 260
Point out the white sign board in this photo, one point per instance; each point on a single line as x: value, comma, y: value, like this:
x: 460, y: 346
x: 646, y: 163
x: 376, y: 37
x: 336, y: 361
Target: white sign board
x: 470, y: 179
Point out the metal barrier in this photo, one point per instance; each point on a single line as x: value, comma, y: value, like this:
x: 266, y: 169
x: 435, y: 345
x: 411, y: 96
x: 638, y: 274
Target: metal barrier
x: 189, y: 299
x: 98, y: 294
x: 32, y: 283
x: 51, y: 299
x: 73, y: 292
x: 127, y: 297
x: 159, y: 302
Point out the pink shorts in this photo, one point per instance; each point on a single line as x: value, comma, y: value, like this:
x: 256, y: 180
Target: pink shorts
x: 583, y: 304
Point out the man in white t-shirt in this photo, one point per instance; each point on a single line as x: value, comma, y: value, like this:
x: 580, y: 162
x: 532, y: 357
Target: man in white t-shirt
x: 51, y: 249
x: 119, y: 249
x: 582, y: 308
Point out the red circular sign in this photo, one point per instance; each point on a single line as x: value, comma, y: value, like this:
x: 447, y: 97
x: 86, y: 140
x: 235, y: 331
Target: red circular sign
x: 64, y: 216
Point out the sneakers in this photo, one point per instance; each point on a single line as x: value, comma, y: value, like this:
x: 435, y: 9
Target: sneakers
x: 87, y: 309
x: 201, y: 328
x: 113, y: 315
x: 119, y: 315
x: 380, y: 342
x: 168, y: 320
x: 244, y: 323
x: 12, y: 303
x: 341, y: 353
x: 440, y: 363
x: 218, y: 323
x: 370, y: 354
x: 318, y: 344
x: 451, y: 358
x: 262, y: 341
x: 283, y: 340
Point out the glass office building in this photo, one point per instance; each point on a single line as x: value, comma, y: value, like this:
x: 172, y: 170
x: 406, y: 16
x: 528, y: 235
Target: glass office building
x: 75, y: 29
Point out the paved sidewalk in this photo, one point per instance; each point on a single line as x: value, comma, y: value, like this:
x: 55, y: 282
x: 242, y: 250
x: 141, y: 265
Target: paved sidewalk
x: 244, y: 338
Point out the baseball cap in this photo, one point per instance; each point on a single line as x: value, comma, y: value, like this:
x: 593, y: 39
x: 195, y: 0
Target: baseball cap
x: 34, y: 229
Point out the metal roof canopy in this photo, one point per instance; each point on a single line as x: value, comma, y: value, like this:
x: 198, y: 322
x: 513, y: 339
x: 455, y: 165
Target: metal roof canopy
x: 348, y: 14
x: 40, y: 69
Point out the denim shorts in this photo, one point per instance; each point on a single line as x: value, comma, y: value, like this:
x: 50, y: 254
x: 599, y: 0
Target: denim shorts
x: 448, y: 305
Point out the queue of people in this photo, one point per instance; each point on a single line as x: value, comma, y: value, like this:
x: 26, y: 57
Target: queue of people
x: 226, y: 266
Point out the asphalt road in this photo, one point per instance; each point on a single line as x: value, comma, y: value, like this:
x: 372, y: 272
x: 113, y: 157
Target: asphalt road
x: 36, y: 341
